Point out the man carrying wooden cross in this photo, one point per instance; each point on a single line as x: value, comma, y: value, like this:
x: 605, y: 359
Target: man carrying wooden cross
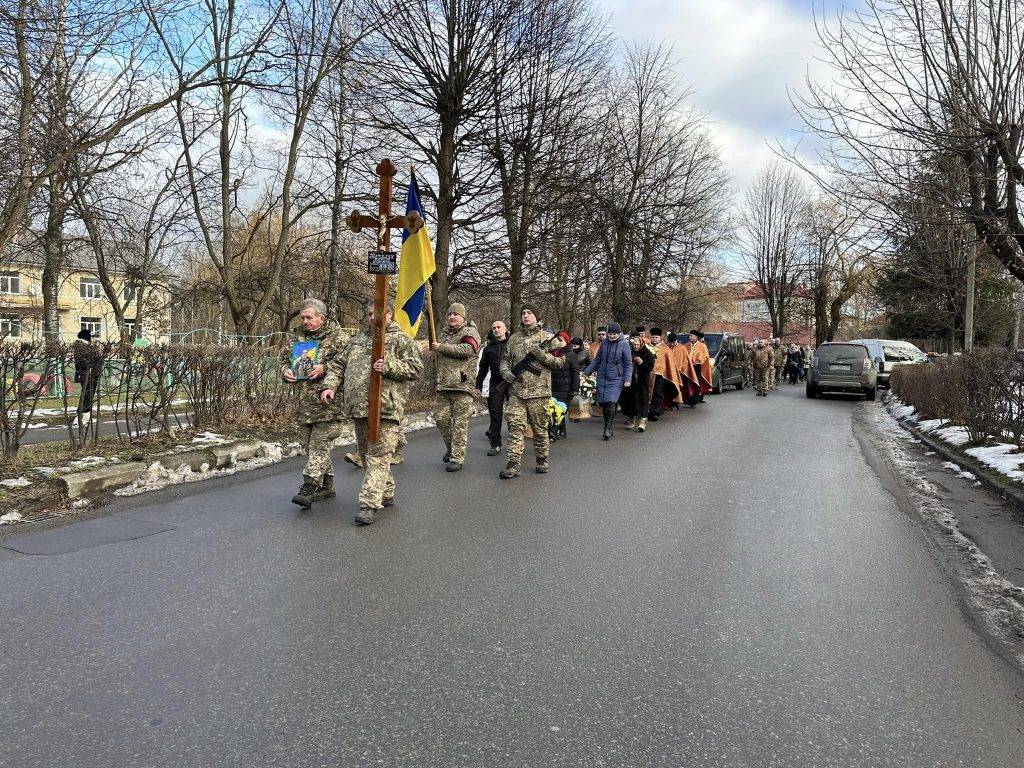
x: 350, y: 375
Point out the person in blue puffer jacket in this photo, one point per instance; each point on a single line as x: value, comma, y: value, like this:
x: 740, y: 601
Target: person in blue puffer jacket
x: 614, y: 368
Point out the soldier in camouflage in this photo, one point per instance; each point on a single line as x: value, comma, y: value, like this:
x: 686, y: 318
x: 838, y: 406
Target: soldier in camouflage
x: 778, y: 361
x: 529, y: 391
x: 318, y: 421
x: 349, y: 377
x: 456, y: 349
x: 748, y: 365
x: 763, y: 363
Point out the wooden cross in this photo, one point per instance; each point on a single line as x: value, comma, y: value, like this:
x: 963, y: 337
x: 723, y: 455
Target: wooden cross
x: 384, y: 222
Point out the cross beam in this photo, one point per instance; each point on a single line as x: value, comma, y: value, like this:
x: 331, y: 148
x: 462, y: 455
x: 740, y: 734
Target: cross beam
x: 384, y: 222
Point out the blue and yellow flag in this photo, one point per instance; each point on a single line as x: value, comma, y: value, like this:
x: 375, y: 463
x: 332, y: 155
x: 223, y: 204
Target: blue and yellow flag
x: 414, y: 270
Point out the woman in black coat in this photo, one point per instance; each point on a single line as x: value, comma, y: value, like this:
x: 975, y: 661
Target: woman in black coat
x: 794, y: 363
x: 634, y: 400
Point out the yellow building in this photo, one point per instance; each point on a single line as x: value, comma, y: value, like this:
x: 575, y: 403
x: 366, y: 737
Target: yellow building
x: 81, y: 301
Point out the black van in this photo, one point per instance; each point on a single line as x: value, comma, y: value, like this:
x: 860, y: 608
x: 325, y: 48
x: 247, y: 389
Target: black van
x: 729, y: 354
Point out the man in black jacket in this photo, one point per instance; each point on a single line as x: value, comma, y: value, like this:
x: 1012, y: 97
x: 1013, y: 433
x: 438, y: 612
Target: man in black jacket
x: 497, y: 395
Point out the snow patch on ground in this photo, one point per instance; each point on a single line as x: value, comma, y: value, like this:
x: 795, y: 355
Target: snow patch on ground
x: 901, y: 411
x: 16, y: 482
x: 11, y: 518
x: 1003, y: 458
x: 87, y: 462
x: 210, y: 438
x: 956, y: 469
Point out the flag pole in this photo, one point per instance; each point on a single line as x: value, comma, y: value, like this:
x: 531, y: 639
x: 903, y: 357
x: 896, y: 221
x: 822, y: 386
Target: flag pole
x: 431, y: 330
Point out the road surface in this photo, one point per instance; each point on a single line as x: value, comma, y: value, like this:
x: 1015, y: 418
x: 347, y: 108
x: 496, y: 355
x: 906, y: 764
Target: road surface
x: 733, y: 588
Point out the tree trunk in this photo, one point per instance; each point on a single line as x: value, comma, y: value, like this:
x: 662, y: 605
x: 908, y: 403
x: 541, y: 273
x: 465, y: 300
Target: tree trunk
x: 972, y: 272
x: 53, y: 257
x: 445, y: 214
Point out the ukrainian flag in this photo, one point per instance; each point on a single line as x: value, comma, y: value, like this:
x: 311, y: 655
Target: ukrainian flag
x: 414, y: 270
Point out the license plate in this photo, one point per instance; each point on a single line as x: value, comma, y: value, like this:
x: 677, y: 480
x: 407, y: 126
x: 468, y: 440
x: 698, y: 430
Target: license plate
x: 839, y: 367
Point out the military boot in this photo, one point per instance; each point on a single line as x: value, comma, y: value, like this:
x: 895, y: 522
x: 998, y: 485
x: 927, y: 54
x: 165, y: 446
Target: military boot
x: 354, y: 459
x: 510, y: 471
x: 326, y: 489
x: 307, y: 492
x: 365, y: 516
x: 453, y: 466
x: 542, y: 467
x: 494, y: 450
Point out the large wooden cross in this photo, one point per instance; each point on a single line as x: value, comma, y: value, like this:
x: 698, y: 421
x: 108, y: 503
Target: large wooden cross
x: 384, y: 222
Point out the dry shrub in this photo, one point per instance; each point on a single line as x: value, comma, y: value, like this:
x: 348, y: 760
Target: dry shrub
x: 982, y: 390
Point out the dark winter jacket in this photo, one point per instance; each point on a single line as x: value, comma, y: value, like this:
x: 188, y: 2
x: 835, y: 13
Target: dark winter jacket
x: 565, y: 382
x: 614, y: 368
x: 88, y: 362
x: 490, y: 360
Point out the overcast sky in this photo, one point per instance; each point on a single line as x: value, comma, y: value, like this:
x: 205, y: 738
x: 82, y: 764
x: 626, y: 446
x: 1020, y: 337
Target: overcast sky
x: 739, y: 56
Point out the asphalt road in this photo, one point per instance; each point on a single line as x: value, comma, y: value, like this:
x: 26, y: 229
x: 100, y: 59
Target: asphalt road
x: 106, y: 426
x: 733, y: 588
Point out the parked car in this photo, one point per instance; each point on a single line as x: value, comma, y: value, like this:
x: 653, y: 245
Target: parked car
x: 886, y: 354
x: 728, y: 354
x: 842, y: 367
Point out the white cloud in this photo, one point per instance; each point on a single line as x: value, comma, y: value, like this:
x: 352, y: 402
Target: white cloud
x: 742, y: 57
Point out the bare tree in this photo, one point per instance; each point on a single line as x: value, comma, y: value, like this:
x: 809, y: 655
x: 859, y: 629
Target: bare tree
x: 542, y: 99
x: 285, y: 54
x: 434, y: 100
x: 772, y: 243
x: 840, y: 258
x: 938, y: 78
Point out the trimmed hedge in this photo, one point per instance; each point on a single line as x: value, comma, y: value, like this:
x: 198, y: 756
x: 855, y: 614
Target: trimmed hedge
x: 982, y: 390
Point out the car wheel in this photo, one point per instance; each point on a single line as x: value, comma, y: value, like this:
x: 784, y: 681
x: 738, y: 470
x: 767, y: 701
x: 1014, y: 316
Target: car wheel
x: 869, y: 394
x: 716, y: 383
x: 812, y: 391
x: 739, y: 384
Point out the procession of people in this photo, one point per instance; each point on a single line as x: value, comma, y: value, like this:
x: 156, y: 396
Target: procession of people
x: 536, y: 380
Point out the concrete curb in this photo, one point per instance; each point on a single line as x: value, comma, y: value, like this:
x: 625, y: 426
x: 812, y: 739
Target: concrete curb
x: 992, y: 480
x: 111, y: 477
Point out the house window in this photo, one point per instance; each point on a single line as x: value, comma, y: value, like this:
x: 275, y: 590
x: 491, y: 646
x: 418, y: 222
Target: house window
x: 131, y: 293
x: 129, y: 325
x: 10, y: 325
x: 93, y: 325
x: 91, y: 288
x: 10, y: 282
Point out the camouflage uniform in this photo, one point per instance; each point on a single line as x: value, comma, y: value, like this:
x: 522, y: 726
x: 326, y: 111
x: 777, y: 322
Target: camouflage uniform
x: 318, y: 423
x: 456, y: 365
x: 351, y: 376
x: 748, y: 368
x: 528, y: 394
x: 778, y: 364
x: 763, y: 363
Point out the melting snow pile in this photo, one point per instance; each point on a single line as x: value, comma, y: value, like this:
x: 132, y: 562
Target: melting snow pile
x: 1003, y: 458
x: 956, y: 469
x: 16, y: 482
x: 158, y: 476
x: 11, y: 518
x: 210, y: 438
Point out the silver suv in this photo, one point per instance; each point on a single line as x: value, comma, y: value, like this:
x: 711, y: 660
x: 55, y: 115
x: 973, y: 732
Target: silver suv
x: 842, y: 367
